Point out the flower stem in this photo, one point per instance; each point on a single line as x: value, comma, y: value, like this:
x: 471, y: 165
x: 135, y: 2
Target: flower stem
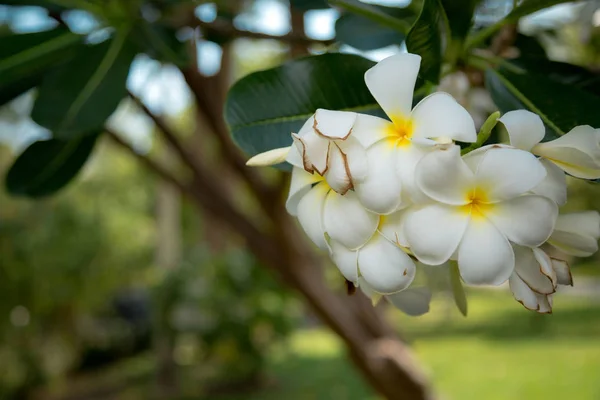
x: 484, y: 133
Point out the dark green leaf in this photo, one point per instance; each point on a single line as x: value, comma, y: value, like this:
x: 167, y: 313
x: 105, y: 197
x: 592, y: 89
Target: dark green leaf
x: 365, y: 34
x: 529, y: 47
x: 264, y: 108
x: 160, y: 42
x: 47, y: 4
x: 460, y: 16
x: 530, y: 6
x: 306, y: 5
x: 46, y: 166
x: 560, y: 106
x: 25, y: 58
x: 374, y: 13
x: 425, y: 39
x: 78, y: 97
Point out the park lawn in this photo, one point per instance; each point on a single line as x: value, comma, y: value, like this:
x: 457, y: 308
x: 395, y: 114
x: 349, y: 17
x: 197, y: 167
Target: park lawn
x: 500, y: 351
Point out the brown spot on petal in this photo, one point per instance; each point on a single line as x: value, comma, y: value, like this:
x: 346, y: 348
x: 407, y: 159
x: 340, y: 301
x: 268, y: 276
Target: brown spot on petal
x: 350, y: 288
x: 405, y: 272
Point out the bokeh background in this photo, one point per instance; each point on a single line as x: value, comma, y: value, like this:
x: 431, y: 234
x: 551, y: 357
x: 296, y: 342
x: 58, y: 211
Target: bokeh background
x: 116, y: 284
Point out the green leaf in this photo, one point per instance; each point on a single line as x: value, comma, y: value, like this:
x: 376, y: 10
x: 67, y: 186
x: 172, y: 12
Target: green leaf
x: 561, y: 106
x: 46, y: 166
x: 264, y: 108
x: 460, y: 16
x: 47, y: 4
x: 458, y: 292
x: 306, y: 5
x: 425, y: 39
x: 530, y: 6
x: 160, y: 42
x: 374, y: 13
x: 77, y: 98
x: 25, y: 58
x: 365, y: 34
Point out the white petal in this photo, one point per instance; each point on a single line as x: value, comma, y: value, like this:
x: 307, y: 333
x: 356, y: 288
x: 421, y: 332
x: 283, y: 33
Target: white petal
x: 439, y: 115
x: 525, y: 129
x: 554, y: 185
x: 407, y: 158
x: 300, y: 185
x: 380, y: 191
x: 577, y: 233
x: 530, y: 300
x: 540, y: 277
x: 412, y: 301
x: 485, y: 257
x: 545, y: 263
x: 506, y: 173
x: 334, y: 124
x: 392, y: 83
x: 346, y: 260
x: 527, y: 220
x: 434, y: 231
x: 369, y: 129
x: 573, y: 243
x: 294, y: 157
x: 392, y: 227
x: 584, y: 222
x: 473, y: 158
x: 268, y: 158
x: 563, y: 272
x: 310, y: 214
x: 356, y: 157
x: 384, y: 266
x: 577, y: 152
x: 346, y: 220
x: 314, y: 150
x: 443, y: 176
x: 338, y: 172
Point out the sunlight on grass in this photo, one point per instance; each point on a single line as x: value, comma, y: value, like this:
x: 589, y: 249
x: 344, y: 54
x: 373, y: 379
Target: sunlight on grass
x: 500, y: 351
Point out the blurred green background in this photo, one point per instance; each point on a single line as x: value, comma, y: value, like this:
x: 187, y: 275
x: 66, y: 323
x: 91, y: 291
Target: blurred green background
x: 97, y: 280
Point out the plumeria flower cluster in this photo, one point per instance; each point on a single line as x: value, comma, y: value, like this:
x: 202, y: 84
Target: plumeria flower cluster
x: 390, y: 198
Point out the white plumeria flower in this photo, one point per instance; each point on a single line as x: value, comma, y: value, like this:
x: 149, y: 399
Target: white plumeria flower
x: 577, y: 152
x: 395, y: 147
x: 478, y: 204
x: 329, y: 148
x: 577, y: 234
x: 322, y: 210
x: 383, y: 265
x: 536, y: 278
x: 413, y: 301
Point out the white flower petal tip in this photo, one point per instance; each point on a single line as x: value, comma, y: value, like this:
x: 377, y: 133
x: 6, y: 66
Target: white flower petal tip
x: 439, y: 115
x: 268, y: 158
x: 525, y: 129
x: 577, y: 234
x: 310, y: 214
x: 562, y: 271
x: 534, y: 267
x: 384, y: 266
x: 334, y: 125
x: 412, y: 301
x: 392, y: 81
x: 314, y: 151
x: 577, y: 152
x: 346, y: 260
x: 347, y: 221
x: 528, y: 298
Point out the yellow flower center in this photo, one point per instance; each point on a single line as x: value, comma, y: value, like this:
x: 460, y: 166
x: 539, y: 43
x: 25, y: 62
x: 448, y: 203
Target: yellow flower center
x: 400, y: 131
x: 478, y: 203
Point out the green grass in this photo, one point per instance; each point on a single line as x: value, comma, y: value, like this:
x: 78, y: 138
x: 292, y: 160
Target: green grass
x: 500, y: 351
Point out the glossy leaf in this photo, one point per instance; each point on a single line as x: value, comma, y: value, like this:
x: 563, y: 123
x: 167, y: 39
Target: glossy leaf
x: 77, y: 98
x: 425, y: 39
x: 26, y: 58
x: 47, y: 166
x: 373, y: 13
x: 365, y: 34
x: 264, y: 108
x: 560, y: 106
